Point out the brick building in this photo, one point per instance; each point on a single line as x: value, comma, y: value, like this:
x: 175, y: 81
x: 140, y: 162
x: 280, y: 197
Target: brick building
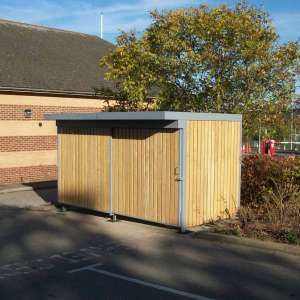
x: 42, y: 70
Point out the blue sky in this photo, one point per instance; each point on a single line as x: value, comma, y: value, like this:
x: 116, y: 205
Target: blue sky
x: 84, y: 15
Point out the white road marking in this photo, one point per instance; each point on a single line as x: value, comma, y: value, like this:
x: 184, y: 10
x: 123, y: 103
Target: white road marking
x: 141, y: 282
x: 87, y: 268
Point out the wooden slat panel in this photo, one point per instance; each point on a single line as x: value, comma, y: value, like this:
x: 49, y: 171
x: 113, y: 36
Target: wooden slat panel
x: 144, y: 162
x: 84, y: 167
x: 213, y: 162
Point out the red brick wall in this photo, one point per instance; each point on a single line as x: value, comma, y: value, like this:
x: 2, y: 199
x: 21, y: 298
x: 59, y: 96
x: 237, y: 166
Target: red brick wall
x: 27, y: 174
x: 32, y: 143
x: 27, y: 143
x: 16, y: 112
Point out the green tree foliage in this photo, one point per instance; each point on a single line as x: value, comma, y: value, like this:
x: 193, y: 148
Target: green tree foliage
x: 210, y: 60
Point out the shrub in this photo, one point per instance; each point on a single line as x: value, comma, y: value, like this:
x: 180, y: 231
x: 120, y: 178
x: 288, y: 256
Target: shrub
x: 270, y: 199
x: 264, y: 177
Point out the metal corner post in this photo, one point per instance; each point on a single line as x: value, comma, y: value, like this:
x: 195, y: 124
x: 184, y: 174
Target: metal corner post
x: 110, y: 173
x: 241, y: 160
x: 182, y: 183
x: 58, y: 159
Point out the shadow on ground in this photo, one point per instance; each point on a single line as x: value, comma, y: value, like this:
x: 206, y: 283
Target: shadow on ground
x: 150, y: 253
x: 47, y: 190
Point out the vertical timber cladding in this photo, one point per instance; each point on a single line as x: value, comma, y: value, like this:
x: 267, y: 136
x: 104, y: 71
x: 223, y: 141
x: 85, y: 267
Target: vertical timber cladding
x: 213, y: 170
x: 84, y: 167
x: 145, y: 165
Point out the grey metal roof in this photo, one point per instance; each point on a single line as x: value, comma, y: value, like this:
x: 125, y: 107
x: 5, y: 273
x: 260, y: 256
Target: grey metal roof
x: 143, y: 116
x: 47, y: 60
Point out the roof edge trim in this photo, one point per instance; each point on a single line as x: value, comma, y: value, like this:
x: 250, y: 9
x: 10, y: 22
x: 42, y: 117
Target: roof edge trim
x: 141, y: 116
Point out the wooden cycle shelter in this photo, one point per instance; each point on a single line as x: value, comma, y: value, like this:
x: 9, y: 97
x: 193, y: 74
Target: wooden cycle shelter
x: 174, y: 168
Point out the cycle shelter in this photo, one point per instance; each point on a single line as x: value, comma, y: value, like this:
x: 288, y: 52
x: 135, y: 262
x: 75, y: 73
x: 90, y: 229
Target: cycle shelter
x: 174, y: 168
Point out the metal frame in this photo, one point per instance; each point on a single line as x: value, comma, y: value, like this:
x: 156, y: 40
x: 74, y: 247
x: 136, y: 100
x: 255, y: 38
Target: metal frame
x: 58, y: 152
x: 110, y: 173
x: 241, y: 158
x: 182, y: 179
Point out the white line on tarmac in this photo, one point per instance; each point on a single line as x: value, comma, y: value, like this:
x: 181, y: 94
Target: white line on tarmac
x: 138, y: 281
x: 89, y: 268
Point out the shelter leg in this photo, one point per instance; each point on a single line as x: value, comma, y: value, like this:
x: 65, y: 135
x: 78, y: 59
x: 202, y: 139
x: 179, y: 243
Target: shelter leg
x: 182, y: 229
x: 61, y: 208
x: 113, y: 218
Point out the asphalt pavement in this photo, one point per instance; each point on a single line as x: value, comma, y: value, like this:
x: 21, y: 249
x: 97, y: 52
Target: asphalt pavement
x: 46, y: 254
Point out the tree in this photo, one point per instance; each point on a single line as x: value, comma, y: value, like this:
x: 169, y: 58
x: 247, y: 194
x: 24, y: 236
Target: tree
x: 208, y: 60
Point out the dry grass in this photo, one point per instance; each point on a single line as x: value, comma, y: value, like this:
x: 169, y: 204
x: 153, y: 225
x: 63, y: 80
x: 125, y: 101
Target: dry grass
x: 276, y: 214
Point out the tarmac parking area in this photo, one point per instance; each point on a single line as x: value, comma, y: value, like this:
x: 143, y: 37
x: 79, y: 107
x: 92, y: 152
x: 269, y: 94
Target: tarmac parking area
x: 45, y: 254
